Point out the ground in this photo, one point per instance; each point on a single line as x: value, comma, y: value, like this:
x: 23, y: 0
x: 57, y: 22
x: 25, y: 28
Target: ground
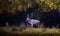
x: 7, y: 31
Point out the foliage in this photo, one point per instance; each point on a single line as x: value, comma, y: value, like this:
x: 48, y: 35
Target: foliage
x: 45, y: 6
x: 15, y: 3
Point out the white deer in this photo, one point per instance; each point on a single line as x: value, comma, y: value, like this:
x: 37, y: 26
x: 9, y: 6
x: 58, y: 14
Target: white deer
x: 33, y: 22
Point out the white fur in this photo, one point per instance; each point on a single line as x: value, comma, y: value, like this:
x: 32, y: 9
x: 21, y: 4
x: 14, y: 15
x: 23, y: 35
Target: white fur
x: 33, y: 21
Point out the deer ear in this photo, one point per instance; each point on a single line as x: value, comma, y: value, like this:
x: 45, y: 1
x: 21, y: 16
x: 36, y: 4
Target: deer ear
x: 7, y: 24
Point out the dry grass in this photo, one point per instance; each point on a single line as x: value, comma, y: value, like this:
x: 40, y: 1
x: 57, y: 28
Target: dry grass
x: 8, y: 30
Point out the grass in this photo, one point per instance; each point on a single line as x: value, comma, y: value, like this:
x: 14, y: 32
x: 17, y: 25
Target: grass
x: 32, y: 31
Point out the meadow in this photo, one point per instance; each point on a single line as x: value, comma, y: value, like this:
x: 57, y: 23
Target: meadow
x: 8, y: 31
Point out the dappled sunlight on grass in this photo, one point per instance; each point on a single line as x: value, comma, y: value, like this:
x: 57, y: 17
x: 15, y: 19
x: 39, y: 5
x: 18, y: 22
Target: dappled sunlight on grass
x: 30, y: 30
